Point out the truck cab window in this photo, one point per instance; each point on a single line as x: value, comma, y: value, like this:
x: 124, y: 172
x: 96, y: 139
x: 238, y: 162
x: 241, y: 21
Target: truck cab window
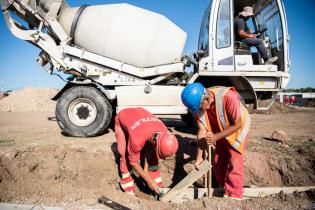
x: 203, y: 44
x: 223, y: 34
x: 269, y: 17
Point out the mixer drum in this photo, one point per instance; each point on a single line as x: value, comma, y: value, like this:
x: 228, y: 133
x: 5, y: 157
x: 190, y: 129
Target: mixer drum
x: 126, y: 33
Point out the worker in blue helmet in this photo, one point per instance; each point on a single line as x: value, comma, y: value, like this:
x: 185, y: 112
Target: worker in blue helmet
x: 224, y: 122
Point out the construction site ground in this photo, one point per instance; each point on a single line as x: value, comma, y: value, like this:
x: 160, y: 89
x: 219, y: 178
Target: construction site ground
x: 40, y: 166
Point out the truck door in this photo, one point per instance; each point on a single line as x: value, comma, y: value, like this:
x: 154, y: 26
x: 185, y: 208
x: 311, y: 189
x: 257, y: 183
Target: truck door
x: 272, y: 17
x: 222, y: 36
x: 215, y: 38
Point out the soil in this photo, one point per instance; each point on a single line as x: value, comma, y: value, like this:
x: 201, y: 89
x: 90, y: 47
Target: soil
x: 310, y: 103
x: 38, y: 165
x: 30, y: 99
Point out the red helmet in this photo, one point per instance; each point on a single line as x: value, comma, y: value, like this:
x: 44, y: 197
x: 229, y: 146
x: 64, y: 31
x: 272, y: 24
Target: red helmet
x: 166, y: 145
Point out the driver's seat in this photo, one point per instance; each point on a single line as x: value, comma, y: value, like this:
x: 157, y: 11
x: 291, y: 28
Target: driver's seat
x: 241, y: 49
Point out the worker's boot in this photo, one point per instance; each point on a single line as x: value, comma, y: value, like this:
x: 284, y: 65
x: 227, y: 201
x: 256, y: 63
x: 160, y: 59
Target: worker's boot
x: 233, y: 198
x: 270, y: 61
x: 127, y: 183
x: 156, y: 176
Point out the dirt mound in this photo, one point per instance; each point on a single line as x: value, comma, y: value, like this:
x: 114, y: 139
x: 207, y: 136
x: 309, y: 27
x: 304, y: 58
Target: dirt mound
x: 2, y: 95
x: 276, y: 108
x: 31, y: 99
x: 269, y: 163
x: 258, y: 171
x: 57, y: 173
x: 310, y: 103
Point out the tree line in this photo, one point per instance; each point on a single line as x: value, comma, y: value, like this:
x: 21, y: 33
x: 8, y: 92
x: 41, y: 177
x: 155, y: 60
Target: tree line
x: 299, y: 90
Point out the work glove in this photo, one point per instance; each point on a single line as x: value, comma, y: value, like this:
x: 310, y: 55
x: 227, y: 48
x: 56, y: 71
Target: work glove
x: 156, y: 176
x: 127, y: 183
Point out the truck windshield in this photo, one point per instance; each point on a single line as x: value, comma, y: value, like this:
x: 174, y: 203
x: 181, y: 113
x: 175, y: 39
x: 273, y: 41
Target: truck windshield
x: 204, y: 31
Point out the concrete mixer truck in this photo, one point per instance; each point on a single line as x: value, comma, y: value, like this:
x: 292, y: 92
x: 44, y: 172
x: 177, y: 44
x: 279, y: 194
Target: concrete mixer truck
x: 119, y: 56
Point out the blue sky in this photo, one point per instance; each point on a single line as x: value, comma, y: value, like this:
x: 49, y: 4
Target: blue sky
x: 19, y: 69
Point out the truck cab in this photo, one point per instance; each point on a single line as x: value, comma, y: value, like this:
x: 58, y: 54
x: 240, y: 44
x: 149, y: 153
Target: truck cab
x: 224, y: 61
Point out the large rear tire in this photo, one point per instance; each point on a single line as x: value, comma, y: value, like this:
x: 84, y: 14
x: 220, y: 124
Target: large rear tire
x: 83, y: 111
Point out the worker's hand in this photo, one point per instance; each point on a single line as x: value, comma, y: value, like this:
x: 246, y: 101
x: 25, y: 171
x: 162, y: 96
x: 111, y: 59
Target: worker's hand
x: 153, y: 186
x: 197, y: 163
x: 211, y: 138
x: 252, y: 36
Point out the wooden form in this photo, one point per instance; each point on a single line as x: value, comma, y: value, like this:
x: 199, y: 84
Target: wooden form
x: 187, y: 194
x: 204, y: 167
x: 259, y: 192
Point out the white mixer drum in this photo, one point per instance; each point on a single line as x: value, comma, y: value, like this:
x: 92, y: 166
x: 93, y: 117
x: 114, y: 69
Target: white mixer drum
x: 126, y: 33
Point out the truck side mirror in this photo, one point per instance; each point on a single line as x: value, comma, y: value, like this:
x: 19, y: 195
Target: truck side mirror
x: 189, y: 60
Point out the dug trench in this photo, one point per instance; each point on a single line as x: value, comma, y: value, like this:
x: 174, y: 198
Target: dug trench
x: 60, y: 175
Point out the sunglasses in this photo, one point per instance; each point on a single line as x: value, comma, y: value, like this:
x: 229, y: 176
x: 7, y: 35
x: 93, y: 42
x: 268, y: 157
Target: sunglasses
x: 205, y: 97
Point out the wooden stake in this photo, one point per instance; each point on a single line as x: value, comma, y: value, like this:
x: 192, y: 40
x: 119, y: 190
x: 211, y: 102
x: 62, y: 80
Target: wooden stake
x: 209, y: 174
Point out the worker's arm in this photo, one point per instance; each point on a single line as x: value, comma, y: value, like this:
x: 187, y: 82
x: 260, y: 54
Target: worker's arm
x: 202, y: 133
x: 235, y: 125
x: 244, y: 35
x: 146, y: 166
x: 232, y: 108
x: 151, y: 183
x: 241, y: 29
x: 120, y: 135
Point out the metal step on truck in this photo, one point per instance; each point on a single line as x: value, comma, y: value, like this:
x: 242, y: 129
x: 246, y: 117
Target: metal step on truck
x: 120, y: 56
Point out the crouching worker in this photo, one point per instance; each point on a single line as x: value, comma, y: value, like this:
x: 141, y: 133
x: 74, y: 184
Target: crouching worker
x: 140, y: 134
x: 224, y: 122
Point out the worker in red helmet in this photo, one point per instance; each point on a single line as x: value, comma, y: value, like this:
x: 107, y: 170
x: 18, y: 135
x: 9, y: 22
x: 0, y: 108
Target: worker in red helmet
x: 141, y: 135
x: 223, y: 121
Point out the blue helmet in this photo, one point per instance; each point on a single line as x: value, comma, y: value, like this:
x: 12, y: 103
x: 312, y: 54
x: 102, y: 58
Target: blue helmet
x: 192, y: 95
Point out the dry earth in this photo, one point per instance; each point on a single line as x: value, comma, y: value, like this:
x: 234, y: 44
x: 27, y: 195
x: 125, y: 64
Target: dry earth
x: 38, y: 165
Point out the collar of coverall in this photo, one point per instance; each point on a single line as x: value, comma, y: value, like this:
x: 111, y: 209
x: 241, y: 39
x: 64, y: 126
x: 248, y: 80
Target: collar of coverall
x: 155, y: 137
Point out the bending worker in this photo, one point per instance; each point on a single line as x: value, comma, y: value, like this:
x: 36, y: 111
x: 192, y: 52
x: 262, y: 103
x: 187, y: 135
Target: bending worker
x: 140, y: 134
x: 224, y: 122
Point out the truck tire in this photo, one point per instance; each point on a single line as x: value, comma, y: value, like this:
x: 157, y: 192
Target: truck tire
x: 83, y: 111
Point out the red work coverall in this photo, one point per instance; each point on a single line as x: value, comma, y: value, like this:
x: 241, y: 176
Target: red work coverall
x: 228, y: 162
x: 133, y: 128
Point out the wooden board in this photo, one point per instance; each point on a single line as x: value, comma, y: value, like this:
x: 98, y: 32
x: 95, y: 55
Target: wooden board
x: 193, y: 176
x: 257, y: 192
x: 187, y: 194
x: 260, y: 192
